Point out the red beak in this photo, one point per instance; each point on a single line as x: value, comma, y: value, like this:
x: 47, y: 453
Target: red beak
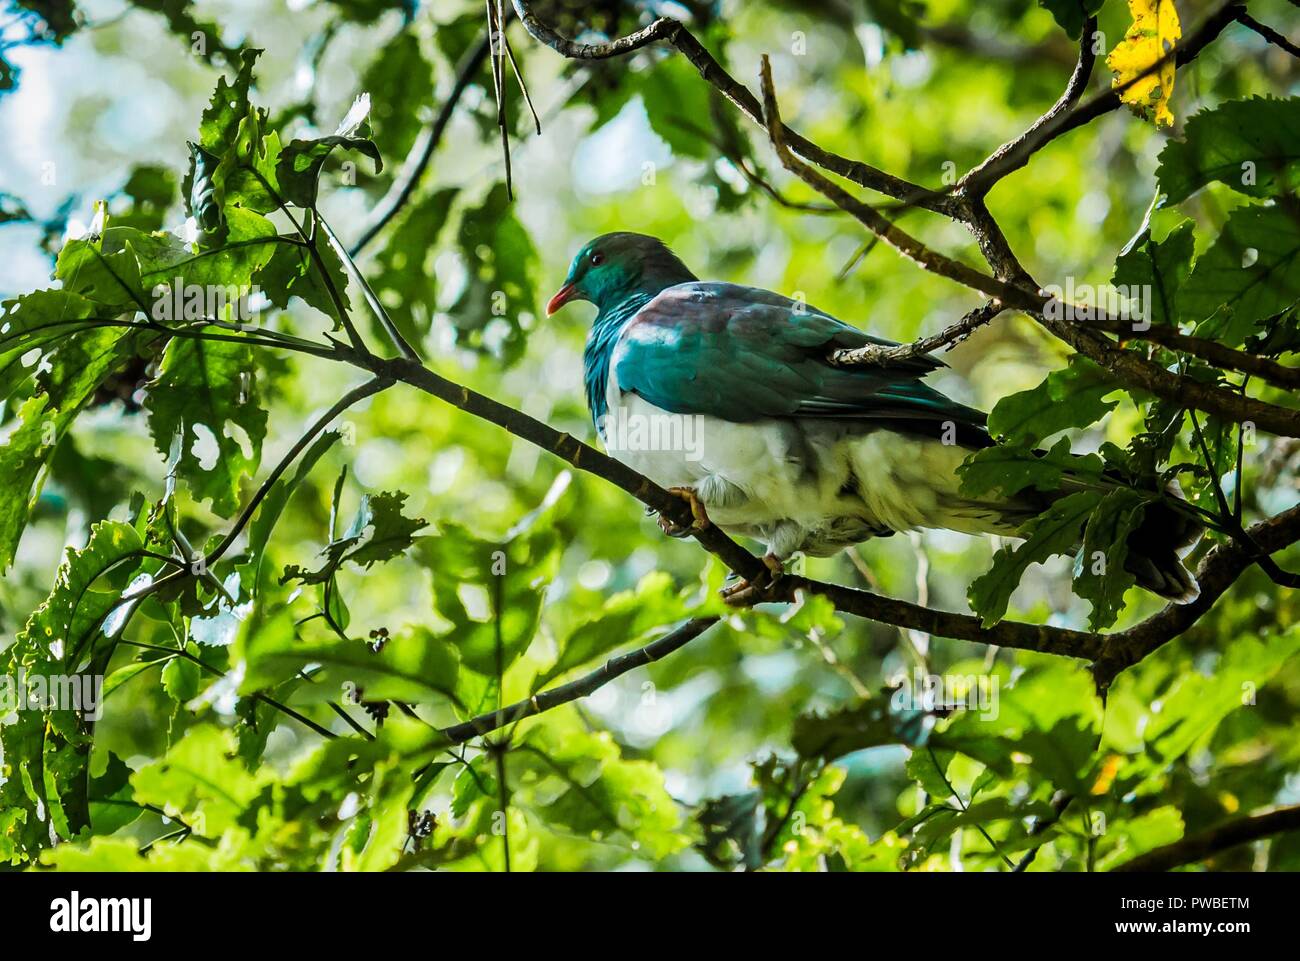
x: 562, y: 297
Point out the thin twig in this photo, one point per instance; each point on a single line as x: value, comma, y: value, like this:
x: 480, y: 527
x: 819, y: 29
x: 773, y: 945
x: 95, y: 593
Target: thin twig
x: 946, y: 338
x: 1268, y: 33
x: 583, y: 686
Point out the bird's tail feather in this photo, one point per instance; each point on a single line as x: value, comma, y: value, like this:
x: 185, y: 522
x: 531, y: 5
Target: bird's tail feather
x: 1154, y: 550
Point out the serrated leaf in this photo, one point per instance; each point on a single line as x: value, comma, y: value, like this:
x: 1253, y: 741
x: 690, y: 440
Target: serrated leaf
x: 206, y: 392
x: 299, y: 164
x: 1011, y: 468
x: 1055, y: 531
x: 100, y: 269
x: 1251, y: 272
x: 46, y: 752
x: 180, y: 679
x: 1160, y: 268
x: 378, y: 532
x: 1252, y: 146
x: 1100, y: 575
x: 72, y: 370
x: 1070, y: 397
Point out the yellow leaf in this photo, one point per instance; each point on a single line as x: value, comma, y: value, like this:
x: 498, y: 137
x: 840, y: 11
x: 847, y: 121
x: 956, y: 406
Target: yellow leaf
x: 1149, y: 41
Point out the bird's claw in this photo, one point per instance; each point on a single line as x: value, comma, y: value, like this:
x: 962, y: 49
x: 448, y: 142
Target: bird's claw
x: 747, y: 593
x: 700, y: 519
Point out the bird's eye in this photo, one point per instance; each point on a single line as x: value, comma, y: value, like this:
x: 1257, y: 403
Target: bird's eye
x: 597, y: 259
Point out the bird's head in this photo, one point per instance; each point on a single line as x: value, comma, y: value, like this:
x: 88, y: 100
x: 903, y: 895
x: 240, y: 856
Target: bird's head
x: 615, y: 266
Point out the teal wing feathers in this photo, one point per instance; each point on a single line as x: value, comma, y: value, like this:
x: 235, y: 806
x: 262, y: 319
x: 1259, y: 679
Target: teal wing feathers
x: 742, y: 354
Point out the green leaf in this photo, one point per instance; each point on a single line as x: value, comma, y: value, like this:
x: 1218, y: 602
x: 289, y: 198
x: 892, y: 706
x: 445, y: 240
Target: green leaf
x: 22, y: 458
x: 870, y: 723
x: 397, y: 77
x: 578, y: 782
x: 1161, y: 268
x: 490, y: 591
x: 291, y: 272
x: 248, y: 243
x: 499, y: 259
x: 72, y: 370
x: 405, y: 279
x: 1196, y: 704
x: 227, y: 108
x: 180, y: 679
x: 112, y: 806
x: 46, y: 752
x: 1010, y: 468
x: 277, y: 498
x: 101, y: 269
x: 1070, y: 397
x: 1251, y: 145
x: 180, y: 19
x: 624, y: 620
x: 1071, y: 14
x: 300, y: 162
x: 731, y: 828
x: 201, y: 781
x: 1251, y: 272
x: 1135, y: 836
x: 152, y: 190
x: 378, y: 532
x: 1055, y: 531
x: 206, y: 392
x: 413, y: 666
x: 1100, y: 576
x: 677, y: 105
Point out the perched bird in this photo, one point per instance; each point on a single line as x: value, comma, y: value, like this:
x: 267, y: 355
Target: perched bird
x: 782, y: 444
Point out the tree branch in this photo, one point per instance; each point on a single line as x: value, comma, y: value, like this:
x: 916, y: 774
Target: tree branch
x: 1218, y: 570
x: 1011, y: 155
x: 947, y: 338
x: 343, y: 403
x: 1135, y: 370
x: 581, y: 687
x: 1230, y: 834
x: 1212, y: 351
x: 674, y: 33
x: 1268, y: 33
x: 981, y: 179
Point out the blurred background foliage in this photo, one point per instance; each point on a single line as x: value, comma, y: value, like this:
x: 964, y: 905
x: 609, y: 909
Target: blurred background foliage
x: 702, y: 759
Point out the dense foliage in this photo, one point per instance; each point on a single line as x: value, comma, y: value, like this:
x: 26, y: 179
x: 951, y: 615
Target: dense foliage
x: 312, y: 571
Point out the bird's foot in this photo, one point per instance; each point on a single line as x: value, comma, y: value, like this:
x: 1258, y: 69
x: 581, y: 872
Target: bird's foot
x: 747, y: 593
x: 700, y: 518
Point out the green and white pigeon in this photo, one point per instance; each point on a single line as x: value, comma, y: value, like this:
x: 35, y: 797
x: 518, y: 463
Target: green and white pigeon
x: 787, y: 447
